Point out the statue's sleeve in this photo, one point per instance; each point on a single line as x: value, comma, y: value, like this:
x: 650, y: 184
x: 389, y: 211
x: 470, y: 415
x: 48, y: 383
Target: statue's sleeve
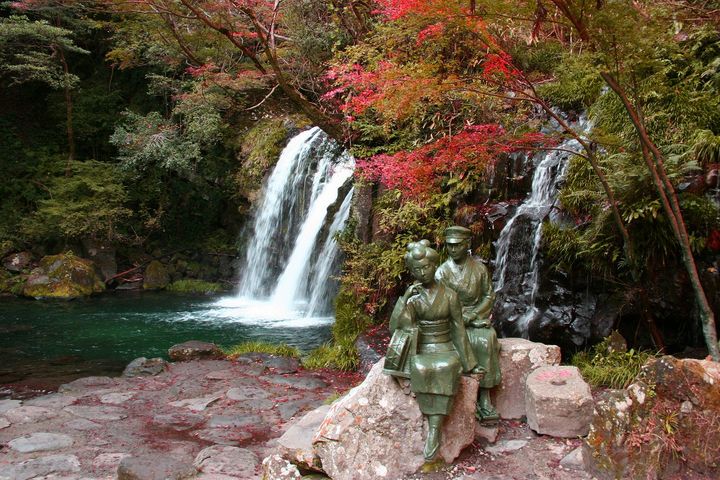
x: 403, y: 315
x: 486, y: 294
x: 457, y: 330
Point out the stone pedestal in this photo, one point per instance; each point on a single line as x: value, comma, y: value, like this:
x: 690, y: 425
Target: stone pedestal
x: 558, y: 402
x: 519, y: 357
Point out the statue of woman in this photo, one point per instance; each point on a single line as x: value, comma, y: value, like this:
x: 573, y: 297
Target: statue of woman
x: 473, y: 284
x: 442, y: 351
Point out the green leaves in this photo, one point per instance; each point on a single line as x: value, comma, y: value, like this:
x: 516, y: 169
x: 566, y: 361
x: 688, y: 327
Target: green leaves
x: 32, y: 51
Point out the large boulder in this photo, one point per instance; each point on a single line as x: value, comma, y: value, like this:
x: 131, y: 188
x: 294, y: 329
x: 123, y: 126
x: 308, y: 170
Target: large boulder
x: 102, y: 253
x: 665, y: 425
x: 17, y: 262
x: 519, y: 357
x: 63, y: 276
x: 558, y: 402
x: 156, y: 276
x: 377, y: 430
x: 296, y: 445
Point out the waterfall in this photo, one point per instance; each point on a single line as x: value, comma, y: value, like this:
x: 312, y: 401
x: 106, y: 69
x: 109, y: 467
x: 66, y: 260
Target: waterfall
x: 291, y: 249
x: 517, y: 248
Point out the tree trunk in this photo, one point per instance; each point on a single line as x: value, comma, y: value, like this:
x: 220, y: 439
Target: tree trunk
x: 670, y: 203
x: 68, y: 112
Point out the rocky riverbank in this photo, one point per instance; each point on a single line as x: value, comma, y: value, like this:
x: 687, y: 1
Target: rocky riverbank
x: 223, y: 414
x: 218, y: 419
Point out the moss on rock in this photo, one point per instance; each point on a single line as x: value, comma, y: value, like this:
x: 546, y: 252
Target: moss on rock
x: 192, y: 285
x: 156, y: 276
x: 63, y: 276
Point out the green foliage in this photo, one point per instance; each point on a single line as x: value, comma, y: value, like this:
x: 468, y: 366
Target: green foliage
x: 350, y: 322
x: 577, y: 83
x: 261, y: 347
x: 260, y: 148
x: 150, y: 141
x: 339, y: 355
x: 604, y: 367
x: 193, y: 285
x: 373, y: 271
x: 33, y: 51
x: 89, y: 203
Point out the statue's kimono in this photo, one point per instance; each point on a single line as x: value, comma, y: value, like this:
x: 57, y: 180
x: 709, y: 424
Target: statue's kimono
x: 473, y: 284
x: 441, y: 348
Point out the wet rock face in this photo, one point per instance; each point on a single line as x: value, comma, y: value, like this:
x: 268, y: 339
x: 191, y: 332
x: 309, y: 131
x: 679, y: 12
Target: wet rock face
x: 63, y: 276
x: 665, y: 425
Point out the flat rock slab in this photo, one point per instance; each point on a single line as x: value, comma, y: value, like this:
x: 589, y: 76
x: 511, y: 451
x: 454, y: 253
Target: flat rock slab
x: 57, y: 401
x: 41, y: 441
x: 236, y: 421
x: 109, y: 461
x: 558, y: 402
x: 301, y: 383
x: 85, y: 383
x: 227, y: 460
x: 41, y: 467
x: 508, y: 446
x: 222, y: 436
x: 289, y: 409
x: 29, y: 414
x: 82, y: 424
x: 226, y: 374
x: 245, y: 393
x: 178, y: 421
x: 198, y: 404
x: 4, y: 423
x: 154, y: 467
x: 116, y: 398
x: 97, y: 413
x: 6, y: 405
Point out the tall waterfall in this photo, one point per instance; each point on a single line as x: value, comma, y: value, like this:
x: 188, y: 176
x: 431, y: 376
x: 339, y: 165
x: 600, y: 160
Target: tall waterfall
x: 291, y: 251
x: 517, y: 248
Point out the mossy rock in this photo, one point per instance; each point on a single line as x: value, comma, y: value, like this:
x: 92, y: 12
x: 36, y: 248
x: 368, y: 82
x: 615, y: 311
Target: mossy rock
x: 63, y: 276
x: 156, y: 276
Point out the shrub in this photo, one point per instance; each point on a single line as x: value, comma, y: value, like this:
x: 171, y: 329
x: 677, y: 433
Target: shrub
x: 605, y: 367
x: 281, y: 350
x: 192, y: 285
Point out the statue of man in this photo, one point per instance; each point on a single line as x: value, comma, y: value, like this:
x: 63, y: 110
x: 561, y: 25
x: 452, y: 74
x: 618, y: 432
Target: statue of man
x: 471, y: 280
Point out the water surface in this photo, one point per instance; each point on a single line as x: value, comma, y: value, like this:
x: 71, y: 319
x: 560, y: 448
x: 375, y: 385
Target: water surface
x: 45, y: 343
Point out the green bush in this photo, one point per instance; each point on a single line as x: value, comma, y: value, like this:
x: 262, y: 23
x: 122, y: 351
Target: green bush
x: 192, y: 285
x: 280, y: 350
x: 604, y: 367
x: 341, y: 355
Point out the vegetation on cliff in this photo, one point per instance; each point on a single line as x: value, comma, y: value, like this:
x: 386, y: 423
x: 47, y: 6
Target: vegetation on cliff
x: 149, y: 125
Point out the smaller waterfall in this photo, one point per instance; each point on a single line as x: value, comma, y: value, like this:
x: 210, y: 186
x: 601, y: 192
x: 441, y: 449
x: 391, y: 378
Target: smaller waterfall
x: 518, y: 246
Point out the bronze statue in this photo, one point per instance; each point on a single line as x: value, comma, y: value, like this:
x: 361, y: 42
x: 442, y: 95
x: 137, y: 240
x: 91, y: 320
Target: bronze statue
x: 429, y: 343
x: 472, y: 282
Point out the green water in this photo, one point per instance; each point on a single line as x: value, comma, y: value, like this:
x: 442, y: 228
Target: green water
x: 45, y: 343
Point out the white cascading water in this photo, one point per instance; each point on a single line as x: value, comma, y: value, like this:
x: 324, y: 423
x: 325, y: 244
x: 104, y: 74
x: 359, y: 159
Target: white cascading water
x: 516, y: 276
x: 286, y: 278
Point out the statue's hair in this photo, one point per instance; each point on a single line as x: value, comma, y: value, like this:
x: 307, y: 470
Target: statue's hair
x: 419, y: 250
